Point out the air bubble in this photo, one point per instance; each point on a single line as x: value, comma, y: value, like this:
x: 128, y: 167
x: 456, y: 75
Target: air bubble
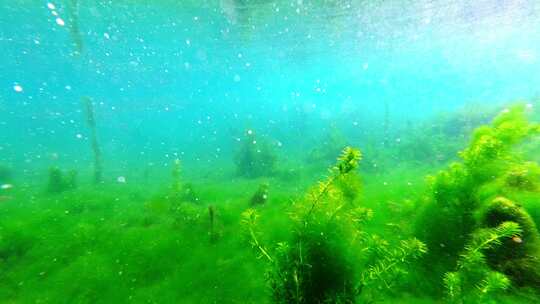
x: 18, y: 88
x: 60, y: 22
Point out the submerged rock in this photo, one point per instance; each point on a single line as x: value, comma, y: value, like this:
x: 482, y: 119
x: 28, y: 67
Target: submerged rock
x: 519, y: 256
x: 260, y: 196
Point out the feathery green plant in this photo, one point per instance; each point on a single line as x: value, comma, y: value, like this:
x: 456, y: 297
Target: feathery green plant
x: 454, y: 195
x: 249, y: 220
x: 321, y: 261
x: 390, y: 266
x: 473, y: 281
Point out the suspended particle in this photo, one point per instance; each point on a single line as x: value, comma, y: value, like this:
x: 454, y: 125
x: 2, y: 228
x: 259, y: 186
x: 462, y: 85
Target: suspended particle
x: 60, y: 22
x: 18, y: 88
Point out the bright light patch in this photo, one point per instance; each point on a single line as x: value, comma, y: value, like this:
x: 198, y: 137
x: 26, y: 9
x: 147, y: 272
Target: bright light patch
x: 18, y: 88
x: 60, y: 21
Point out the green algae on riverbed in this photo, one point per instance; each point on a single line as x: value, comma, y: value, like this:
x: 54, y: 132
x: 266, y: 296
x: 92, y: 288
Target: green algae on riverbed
x: 118, y: 242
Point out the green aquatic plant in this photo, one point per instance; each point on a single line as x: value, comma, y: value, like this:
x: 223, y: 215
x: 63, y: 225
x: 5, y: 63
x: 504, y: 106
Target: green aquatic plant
x: 255, y: 157
x: 459, y: 192
x: 389, y: 264
x: 454, y: 191
x: 61, y: 181
x: 474, y: 281
x: 523, y: 177
x: 350, y: 186
x: 321, y: 261
x: 96, y: 150
x: 180, y: 191
x: 250, y: 222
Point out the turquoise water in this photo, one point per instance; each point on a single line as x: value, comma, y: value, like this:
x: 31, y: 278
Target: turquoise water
x: 202, y: 89
x: 164, y: 75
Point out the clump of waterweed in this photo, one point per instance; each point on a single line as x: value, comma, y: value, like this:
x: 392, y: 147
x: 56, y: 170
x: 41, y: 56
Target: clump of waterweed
x: 318, y: 264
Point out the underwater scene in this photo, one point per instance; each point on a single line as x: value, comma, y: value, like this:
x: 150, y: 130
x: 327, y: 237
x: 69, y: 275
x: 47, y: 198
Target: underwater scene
x: 270, y: 151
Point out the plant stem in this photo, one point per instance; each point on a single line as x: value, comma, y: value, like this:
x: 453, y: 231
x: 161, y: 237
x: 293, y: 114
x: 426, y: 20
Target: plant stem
x: 259, y: 247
